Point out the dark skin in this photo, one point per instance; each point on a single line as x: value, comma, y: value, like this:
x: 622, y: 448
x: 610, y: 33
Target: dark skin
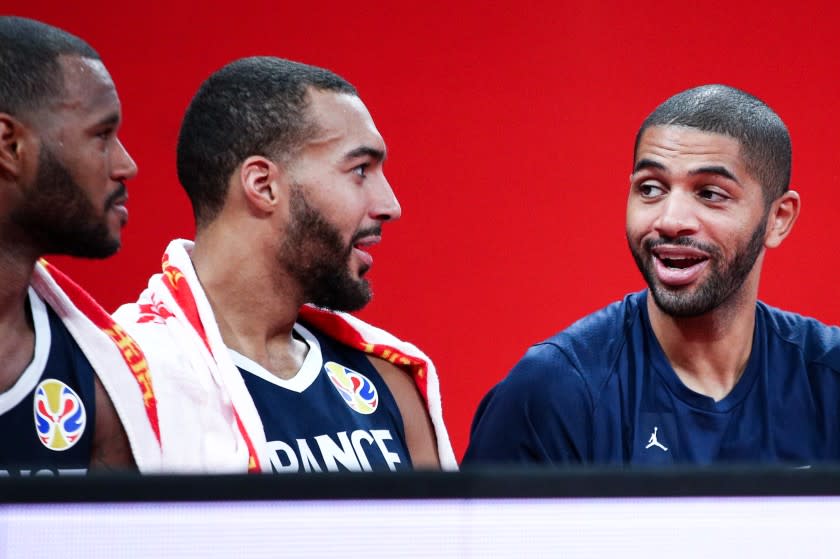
x: 111, y: 450
x: 79, y: 127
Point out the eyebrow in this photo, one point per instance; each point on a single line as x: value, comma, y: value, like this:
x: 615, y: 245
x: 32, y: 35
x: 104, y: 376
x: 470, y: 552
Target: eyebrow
x: 366, y: 151
x: 647, y: 164
x: 111, y: 120
x: 719, y: 170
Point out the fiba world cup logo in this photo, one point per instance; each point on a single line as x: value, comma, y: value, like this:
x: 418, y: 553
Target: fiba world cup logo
x: 60, y: 416
x: 355, y: 388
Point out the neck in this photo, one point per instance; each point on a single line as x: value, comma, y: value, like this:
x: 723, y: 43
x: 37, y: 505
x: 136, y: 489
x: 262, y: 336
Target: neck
x: 254, y: 304
x: 17, y: 260
x: 708, y: 352
x: 17, y: 335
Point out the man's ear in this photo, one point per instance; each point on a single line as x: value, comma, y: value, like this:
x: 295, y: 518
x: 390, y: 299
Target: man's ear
x: 13, y: 143
x: 261, y: 181
x: 782, y: 216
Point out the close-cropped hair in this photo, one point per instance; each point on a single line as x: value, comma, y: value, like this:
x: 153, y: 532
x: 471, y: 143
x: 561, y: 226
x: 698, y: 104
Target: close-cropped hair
x: 253, y: 106
x: 30, y: 72
x: 721, y: 109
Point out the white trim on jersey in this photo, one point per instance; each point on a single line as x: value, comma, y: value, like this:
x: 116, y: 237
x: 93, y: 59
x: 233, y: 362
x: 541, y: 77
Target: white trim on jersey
x: 303, y: 379
x: 32, y: 374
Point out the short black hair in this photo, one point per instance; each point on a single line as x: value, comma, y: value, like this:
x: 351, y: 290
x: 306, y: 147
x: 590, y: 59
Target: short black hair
x: 721, y: 109
x: 253, y: 106
x: 30, y: 73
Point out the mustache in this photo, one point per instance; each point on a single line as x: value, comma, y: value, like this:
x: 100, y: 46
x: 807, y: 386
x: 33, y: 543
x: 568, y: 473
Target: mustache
x: 120, y: 193
x: 362, y: 233
x: 650, y: 244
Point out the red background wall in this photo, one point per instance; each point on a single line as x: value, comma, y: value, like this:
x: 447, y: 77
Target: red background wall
x: 510, y: 129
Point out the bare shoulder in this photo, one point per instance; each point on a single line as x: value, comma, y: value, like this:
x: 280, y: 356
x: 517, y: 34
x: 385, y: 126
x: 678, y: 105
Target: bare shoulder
x: 111, y: 449
x: 419, y: 432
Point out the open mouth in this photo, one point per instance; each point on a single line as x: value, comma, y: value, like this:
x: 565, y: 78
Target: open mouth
x: 361, y: 247
x: 678, y: 266
x: 680, y: 263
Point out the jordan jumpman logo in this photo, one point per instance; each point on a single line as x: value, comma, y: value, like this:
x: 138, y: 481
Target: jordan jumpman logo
x: 653, y: 442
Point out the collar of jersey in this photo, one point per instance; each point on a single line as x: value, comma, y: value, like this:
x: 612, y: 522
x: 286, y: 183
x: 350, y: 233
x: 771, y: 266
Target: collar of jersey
x: 32, y: 374
x: 694, y: 399
x: 303, y: 379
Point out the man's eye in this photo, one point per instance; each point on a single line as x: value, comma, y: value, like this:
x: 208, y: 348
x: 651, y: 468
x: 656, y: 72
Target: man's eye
x: 712, y: 195
x: 648, y: 190
x: 105, y: 134
x: 361, y: 170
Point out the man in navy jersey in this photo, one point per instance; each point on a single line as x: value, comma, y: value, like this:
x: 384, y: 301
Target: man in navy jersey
x: 694, y: 369
x: 283, y: 166
x: 62, y: 174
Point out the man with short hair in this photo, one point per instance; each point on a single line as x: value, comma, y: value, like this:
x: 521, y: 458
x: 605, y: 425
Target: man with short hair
x: 694, y: 369
x: 283, y: 166
x: 67, y: 368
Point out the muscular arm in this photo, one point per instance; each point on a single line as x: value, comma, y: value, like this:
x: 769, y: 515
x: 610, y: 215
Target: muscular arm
x: 111, y: 450
x: 419, y: 433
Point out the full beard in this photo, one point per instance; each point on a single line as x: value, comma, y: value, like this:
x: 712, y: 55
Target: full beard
x: 724, y: 280
x: 60, y: 219
x: 316, y: 257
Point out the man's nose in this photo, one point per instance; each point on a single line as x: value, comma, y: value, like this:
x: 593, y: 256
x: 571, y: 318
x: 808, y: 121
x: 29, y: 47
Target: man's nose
x: 123, y: 166
x: 677, y: 215
x: 385, y: 206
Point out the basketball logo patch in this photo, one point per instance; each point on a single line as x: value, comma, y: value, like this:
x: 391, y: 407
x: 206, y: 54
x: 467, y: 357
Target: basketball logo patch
x: 355, y: 388
x: 60, y: 416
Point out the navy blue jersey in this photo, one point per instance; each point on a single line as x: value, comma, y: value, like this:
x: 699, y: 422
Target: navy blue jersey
x: 47, y: 417
x: 335, y: 414
x: 603, y: 392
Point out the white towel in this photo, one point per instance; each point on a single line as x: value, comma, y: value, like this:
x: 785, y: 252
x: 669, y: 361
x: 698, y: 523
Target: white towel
x: 118, y: 361
x: 209, y: 422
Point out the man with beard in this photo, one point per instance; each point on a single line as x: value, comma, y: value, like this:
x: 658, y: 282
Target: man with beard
x: 694, y: 369
x: 66, y: 365
x: 283, y: 166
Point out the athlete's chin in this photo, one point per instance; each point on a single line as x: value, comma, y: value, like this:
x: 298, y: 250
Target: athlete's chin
x: 356, y: 271
x: 114, y: 237
x: 681, y: 303
x: 104, y: 250
x: 108, y: 244
x: 112, y: 244
x: 94, y: 251
x: 115, y: 222
x: 346, y: 294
